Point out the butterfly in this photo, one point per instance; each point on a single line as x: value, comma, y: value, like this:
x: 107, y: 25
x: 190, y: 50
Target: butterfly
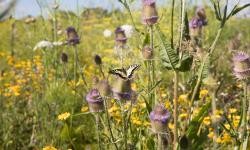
x: 125, y: 73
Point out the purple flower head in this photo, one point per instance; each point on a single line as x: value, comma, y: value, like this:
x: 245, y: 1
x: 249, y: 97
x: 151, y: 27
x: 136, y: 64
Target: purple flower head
x: 122, y: 95
x: 197, y: 23
x: 149, y: 12
x: 120, y: 35
x: 160, y: 113
x: 241, y: 62
x: 148, y: 2
x: 94, y: 96
x: 72, y: 36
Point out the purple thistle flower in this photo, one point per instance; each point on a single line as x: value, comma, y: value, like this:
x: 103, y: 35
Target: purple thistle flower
x: 197, y: 23
x: 241, y: 61
x: 122, y: 95
x: 120, y: 37
x: 95, y: 101
x: 160, y: 113
x: 72, y: 36
x: 148, y: 2
x: 149, y: 12
x: 159, y: 118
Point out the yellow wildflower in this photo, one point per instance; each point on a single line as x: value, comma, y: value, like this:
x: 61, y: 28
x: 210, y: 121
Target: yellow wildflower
x: 207, y: 121
x: 167, y: 104
x: 85, y: 109
x: 183, y: 116
x: 63, y: 116
x: 211, y: 135
x: 203, y: 93
x: 49, y: 148
x: 232, y: 110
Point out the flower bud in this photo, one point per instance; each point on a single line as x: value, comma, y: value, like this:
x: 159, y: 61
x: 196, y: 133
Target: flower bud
x: 149, y: 12
x: 147, y: 52
x: 159, y: 118
x: 98, y: 60
x: 120, y: 37
x: 201, y: 13
x: 241, y: 68
x: 95, y: 101
x: 72, y: 36
x: 64, y: 57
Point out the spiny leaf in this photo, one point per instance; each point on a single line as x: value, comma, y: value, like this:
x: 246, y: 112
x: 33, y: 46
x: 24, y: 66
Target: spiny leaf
x: 186, y: 63
x: 168, y: 55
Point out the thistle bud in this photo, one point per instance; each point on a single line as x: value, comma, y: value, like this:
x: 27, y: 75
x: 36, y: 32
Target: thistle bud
x: 72, y: 36
x: 29, y: 20
x: 241, y: 62
x: 159, y: 118
x: 201, y: 13
x: 120, y: 37
x: 64, y: 57
x: 98, y: 60
x: 147, y: 52
x: 95, y: 101
x: 149, y: 12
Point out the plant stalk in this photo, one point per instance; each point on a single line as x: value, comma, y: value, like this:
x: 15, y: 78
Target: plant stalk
x: 175, y: 110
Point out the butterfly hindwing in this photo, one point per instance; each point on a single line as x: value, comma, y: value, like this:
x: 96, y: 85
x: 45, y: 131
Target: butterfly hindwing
x: 125, y: 74
x: 131, y: 69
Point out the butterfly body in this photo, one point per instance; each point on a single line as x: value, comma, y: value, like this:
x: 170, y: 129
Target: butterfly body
x: 125, y: 73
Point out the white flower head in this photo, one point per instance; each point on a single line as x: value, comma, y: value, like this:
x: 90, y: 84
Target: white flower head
x: 47, y: 44
x: 43, y: 44
x: 107, y: 33
x: 58, y: 43
x: 128, y: 29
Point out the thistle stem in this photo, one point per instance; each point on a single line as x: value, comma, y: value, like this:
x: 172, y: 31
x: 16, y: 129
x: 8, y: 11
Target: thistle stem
x: 152, y: 64
x: 75, y: 67
x: 97, y: 130
x: 172, y: 23
x: 175, y: 110
x: 109, y: 125
x: 244, y: 111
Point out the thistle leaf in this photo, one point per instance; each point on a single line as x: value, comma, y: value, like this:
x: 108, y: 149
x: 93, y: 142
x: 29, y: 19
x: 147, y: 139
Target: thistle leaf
x: 168, y: 55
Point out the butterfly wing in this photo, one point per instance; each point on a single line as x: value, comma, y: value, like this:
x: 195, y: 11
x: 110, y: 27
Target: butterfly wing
x: 119, y: 72
x: 131, y: 69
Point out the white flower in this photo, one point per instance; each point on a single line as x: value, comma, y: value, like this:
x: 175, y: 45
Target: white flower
x: 43, y: 44
x: 128, y: 29
x: 59, y: 43
x: 47, y: 44
x: 107, y: 33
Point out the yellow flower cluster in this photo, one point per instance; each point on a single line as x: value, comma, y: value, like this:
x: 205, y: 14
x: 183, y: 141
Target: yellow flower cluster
x: 49, y: 148
x: 63, y: 116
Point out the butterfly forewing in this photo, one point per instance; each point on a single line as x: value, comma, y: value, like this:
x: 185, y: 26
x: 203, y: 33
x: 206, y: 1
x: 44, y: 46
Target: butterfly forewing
x: 131, y: 69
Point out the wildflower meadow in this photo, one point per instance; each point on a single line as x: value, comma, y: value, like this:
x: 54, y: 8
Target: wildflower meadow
x: 147, y: 75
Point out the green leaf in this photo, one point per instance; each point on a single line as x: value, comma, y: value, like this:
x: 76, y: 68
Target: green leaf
x: 204, y: 68
x: 237, y: 10
x: 168, y: 55
x: 186, y: 63
x: 65, y: 132
x: 186, y: 35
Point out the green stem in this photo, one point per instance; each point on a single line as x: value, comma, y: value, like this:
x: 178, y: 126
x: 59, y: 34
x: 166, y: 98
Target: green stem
x: 124, y: 128
x: 109, y: 125
x: 172, y: 23
x: 175, y: 110
x: 75, y: 68
x: 97, y: 118
x: 159, y: 140
x: 152, y: 65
